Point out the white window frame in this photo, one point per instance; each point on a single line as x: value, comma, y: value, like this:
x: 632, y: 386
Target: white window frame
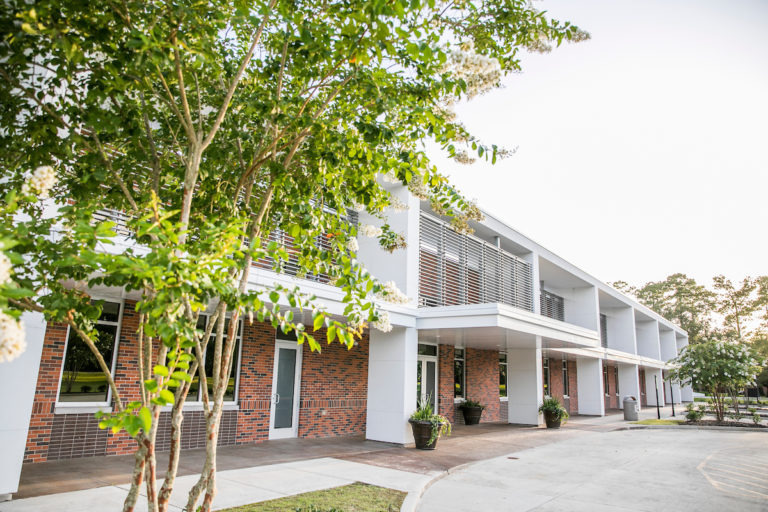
x: 228, y: 404
x: 566, y: 384
x: 460, y: 399
x: 506, y: 363
x: 87, y: 407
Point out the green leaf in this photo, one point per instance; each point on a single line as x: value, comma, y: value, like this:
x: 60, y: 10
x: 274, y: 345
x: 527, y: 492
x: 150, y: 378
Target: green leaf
x: 145, y: 416
x: 167, y: 396
x: 161, y: 370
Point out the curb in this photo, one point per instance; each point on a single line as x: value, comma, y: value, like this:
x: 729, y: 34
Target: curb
x: 693, y: 427
x: 411, y: 502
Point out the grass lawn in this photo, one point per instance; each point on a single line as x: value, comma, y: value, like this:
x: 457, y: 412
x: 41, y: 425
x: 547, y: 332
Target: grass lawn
x: 658, y: 422
x: 355, y: 497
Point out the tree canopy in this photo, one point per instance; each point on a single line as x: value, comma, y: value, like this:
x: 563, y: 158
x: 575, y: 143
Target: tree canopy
x: 183, y: 142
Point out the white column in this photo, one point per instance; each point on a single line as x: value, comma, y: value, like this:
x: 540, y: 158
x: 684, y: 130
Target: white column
x: 524, y: 385
x: 391, y: 385
x: 629, y: 383
x: 18, y: 379
x: 589, y: 381
x: 650, y: 389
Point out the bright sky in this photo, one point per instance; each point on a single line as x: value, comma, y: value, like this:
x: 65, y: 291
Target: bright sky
x: 641, y: 152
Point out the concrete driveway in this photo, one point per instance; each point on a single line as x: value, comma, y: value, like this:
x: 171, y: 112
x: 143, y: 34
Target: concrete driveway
x: 638, y: 470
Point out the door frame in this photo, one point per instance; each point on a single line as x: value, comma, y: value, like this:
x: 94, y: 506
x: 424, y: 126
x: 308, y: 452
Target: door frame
x: 422, y: 360
x: 293, y: 431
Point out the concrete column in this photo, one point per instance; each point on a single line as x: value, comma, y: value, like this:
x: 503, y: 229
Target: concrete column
x: 18, y: 379
x: 391, y: 385
x: 629, y: 382
x: 524, y: 385
x: 650, y: 389
x: 589, y: 381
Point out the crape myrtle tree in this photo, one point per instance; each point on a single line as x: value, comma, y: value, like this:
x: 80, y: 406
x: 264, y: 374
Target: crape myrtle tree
x: 210, y: 125
x: 717, y: 367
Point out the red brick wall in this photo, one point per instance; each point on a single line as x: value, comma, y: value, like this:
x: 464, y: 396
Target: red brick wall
x: 334, y: 389
x: 445, y: 404
x: 573, y: 389
x: 333, y: 396
x: 482, y: 368
x: 41, y: 421
x: 611, y: 401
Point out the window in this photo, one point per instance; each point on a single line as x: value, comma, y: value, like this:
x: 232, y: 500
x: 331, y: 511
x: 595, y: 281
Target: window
x: 502, y: 374
x: 231, y: 393
x: 81, y: 378
x: 545, y: 372
x: 458, y: 374
x: 606, y: 389
x: 427, y: 350
x: 566, y: 388
x: 616, y: 379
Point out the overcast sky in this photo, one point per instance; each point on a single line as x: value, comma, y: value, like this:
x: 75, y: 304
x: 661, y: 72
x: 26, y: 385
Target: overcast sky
x: 641, y: 152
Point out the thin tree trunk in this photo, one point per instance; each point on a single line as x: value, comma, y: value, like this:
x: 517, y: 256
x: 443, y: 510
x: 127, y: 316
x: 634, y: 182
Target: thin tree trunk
x: 136, y: 478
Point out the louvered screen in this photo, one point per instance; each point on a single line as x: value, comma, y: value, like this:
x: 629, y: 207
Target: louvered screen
x: 292, y: 267
x: 552, y: 305
x: 119, y: 218
x: 461, y: 269
x: 603, y: 330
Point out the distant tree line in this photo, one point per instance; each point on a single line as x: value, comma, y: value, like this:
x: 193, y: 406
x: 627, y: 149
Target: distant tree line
x: 733, y: 311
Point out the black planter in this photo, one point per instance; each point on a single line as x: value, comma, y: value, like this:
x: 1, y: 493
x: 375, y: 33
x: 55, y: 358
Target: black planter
x: 472, y: 415
x: 552, y: 419
x: 422, y: 432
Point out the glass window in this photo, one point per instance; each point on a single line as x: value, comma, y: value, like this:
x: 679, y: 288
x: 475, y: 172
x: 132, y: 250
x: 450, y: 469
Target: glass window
x: 606, y: 389
x: 566, y: 387
x: 616, y: 378
x: 231, y: 392
x: 81, y: 378
x: 545, y: 374
x: 458, y: 374
x: 427, y: 350
x: 502, y: 374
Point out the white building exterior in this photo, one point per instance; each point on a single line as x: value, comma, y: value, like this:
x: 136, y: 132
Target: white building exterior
x: 492, y: 298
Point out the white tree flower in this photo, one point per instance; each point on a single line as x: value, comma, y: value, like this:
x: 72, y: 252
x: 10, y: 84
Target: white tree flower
x: 6, y: 268
x: 392, y: 294
x: 12, y: 339
x: 40, y: 183
x: 382, y: 324
x: 352, y: 245
x: 369, y: 230
x: 390, y: 177
x: 397, y: 205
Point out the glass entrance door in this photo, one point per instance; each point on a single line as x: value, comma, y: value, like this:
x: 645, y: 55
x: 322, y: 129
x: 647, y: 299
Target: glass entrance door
x: 426, y: 374
x: 284, y: 408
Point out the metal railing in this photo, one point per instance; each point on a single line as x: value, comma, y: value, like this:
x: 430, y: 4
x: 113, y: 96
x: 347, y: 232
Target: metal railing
x: 459, y: 269
x: 603, y: 331
x: 552, y: 306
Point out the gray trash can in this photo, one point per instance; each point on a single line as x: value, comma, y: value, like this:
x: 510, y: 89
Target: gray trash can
x: 630, y: 408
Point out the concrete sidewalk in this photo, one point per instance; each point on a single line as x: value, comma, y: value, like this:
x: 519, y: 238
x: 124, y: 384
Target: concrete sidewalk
x: 237, y: 487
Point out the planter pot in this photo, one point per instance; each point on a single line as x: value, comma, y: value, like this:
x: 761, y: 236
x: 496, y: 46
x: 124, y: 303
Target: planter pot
x: 422, y: 431
x: 552, y: 420
x: 472, y: 415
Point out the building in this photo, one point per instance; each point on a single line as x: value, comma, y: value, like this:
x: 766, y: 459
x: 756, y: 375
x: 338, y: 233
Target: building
x: 495, y: 317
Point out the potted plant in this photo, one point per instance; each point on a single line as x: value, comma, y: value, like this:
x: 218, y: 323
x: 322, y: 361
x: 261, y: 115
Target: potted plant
x: 472, y: 410
x: 427, y: 426
x: 554, y: 412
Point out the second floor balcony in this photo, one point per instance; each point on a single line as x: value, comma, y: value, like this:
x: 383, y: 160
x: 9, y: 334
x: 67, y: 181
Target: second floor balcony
x: 457, y: 269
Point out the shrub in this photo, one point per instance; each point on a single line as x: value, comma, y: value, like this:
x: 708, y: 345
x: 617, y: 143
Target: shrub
x: 694, y: 413
x: 471, y: 404
x: 424, y: 412
x: 756, y: 418
x: 85, y: 389
x: 553, y: 407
